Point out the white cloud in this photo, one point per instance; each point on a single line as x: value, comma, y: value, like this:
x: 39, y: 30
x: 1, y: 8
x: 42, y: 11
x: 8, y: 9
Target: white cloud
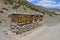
x: 30, y: 0
x: 47, y: 3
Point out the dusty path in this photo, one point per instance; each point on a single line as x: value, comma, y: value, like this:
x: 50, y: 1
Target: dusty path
x: 49, y: 31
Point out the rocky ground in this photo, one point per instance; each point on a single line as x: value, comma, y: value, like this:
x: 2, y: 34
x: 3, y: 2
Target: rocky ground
x: 49, y: 30
x: 8, y: 32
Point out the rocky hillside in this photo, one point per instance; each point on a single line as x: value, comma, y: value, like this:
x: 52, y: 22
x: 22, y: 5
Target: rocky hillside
x: 55, y: 9
x: 13, y: 5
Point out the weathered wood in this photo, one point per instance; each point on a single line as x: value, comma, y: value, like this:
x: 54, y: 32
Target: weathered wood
x: 25, y: 18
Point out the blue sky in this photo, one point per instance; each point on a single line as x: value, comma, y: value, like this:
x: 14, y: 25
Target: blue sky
x: 46, y: 3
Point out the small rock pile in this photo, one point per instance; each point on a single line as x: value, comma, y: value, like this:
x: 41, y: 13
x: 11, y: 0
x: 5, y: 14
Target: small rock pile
x: 22, y: 29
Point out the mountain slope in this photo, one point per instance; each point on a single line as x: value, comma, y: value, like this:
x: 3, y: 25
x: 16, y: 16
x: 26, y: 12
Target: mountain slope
x: 17, y: 3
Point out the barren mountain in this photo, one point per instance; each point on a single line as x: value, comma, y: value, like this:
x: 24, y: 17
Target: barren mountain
x: 14, y: 5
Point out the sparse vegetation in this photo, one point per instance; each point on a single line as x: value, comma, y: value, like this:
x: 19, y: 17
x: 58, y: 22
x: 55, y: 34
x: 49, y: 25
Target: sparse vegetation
x: 1, y: 11
x: 17, y: 3
x: 24, y: 8
x: 9, y: 2
x: 5, y: 9
x: 0, y: 21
